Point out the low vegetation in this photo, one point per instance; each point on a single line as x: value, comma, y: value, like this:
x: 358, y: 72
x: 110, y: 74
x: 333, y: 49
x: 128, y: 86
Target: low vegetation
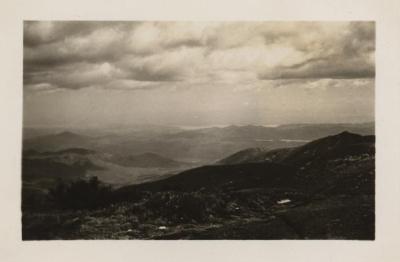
x: 323, y: 190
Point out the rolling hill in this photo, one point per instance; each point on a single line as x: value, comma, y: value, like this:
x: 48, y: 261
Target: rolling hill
x: 318, y: 151
x: 59, y: 141
x: 293, y: 167
x: 43, y: 169
x: 324, y: 189
x: 201, y: 146
x: 146, y: 160
x: 217, y: 177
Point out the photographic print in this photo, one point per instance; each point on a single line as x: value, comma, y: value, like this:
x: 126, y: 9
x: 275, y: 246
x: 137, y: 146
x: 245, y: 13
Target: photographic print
x: 198, y: 130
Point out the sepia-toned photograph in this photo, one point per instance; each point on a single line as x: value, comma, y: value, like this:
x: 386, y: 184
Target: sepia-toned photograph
x: 236, y: 130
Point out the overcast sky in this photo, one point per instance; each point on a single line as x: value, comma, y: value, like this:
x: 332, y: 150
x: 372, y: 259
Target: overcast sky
x: 80, y: 74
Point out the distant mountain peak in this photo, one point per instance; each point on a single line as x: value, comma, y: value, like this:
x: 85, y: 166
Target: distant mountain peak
x: 330, y: 147
x: 149, y: 154
x: 77, y: 150
x: 67, y: 134
x: 347, y: 133
x: 148, y: 159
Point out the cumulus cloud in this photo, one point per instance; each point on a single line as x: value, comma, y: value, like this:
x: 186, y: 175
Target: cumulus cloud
x: 140, y: 55
x: 346, y: 52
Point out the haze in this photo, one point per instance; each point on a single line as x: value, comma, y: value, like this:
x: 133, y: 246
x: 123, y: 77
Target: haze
x: 85, y: 74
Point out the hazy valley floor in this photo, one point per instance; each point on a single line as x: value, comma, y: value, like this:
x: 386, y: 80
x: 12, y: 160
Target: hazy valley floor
x: 324, y: 189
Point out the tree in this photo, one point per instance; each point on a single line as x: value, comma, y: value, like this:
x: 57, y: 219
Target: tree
x: 81, y: 194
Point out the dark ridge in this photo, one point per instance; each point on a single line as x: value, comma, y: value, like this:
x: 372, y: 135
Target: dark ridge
x: 68, y: 134
x: 30, y: 152
x: 215, y: 177
x: 76, y: 150
x: 146, y: 160
x: 331, y: 147
x: 335, y: 146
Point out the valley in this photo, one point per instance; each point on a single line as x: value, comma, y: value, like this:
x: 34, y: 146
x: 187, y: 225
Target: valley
x: 323, y: 189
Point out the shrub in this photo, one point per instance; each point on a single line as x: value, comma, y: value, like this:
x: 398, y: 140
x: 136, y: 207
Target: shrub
x: 81, y: 194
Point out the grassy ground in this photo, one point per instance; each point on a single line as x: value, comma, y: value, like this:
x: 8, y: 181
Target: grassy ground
x: 341, y: 217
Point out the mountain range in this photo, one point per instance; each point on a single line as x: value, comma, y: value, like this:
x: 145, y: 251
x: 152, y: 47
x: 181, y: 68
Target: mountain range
x: 42, y: 170
x: 322, y: 189
x: 200, y: 146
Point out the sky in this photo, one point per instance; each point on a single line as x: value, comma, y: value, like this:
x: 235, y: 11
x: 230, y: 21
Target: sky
x: 99, y: 74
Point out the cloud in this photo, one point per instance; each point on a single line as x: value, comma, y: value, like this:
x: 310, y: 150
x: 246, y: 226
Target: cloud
x: 170, y: 65
x: 322, y: 84
x: 139, y: 55
x: 332, y: 67
x: 75, y: 76
x: 347, y: 54
x: 38, y: 33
